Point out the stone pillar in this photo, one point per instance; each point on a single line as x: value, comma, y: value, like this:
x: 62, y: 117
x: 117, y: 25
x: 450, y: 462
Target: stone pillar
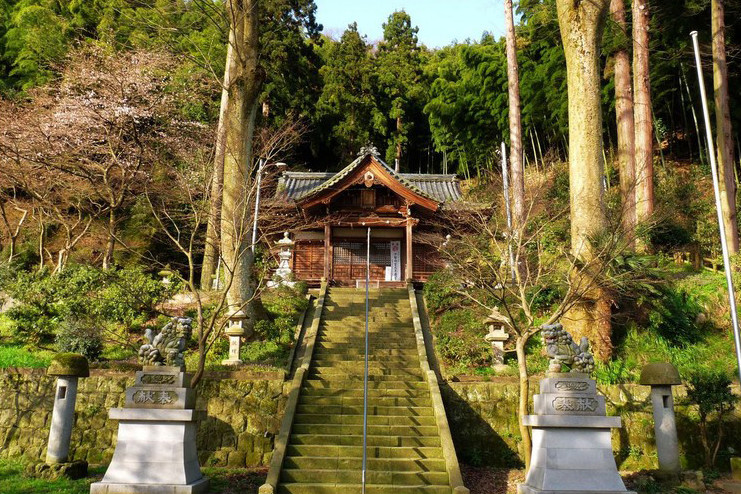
x: 68, y: 367
x: 661, y: 376
x: 235, y: 331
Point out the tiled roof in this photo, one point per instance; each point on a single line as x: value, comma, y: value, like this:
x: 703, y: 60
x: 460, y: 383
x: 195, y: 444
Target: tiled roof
x: 440, y: 188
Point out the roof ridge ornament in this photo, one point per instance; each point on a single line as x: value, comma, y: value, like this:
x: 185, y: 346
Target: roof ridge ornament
x: 369, y: 149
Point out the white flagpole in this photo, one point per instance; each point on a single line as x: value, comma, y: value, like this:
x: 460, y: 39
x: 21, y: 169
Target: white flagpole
x: 718, y: 204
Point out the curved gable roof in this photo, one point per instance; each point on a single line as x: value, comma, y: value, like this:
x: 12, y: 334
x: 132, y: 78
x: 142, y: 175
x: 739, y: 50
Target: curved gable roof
x: 301, y: 186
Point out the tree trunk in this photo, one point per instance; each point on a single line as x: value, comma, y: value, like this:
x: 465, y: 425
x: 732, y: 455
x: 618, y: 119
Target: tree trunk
x: 522, y: 408
x: 111, y: 243
x: 515, y: 120
x: 625, y: 125
x: 726, y: 165
x: 42, y: 242
x: 644, y: 167
x: 582, y: 25
x: 211, y: 249
x: 240, y: 115
x: 399, y: 130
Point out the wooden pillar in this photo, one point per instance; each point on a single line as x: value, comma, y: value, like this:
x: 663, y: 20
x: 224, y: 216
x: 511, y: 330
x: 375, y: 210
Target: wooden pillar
x: 410, y: 263
x: 327, y: 251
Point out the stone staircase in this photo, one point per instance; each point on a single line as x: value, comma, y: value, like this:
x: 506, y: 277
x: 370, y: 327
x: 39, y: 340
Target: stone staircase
x: 325, y: 447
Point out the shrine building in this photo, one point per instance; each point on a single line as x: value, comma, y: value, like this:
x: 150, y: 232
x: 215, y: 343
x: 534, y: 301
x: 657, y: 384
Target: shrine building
x: 401, y: 209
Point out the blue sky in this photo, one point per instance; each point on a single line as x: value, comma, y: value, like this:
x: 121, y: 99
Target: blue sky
x: 440, y: 22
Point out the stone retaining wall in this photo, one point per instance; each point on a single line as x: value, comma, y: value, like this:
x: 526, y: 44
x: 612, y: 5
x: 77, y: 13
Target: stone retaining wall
x: 244, y: 412
x: 483, y: 418
x: 240, y: 417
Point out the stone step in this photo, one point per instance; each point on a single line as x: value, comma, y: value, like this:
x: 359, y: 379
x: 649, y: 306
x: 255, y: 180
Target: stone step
x: 399, y: 372
x: 372, y: 393
x: 307, y: 488
x: 373, y: 440
x: 310, y: 418
x: 358, y: 384
x: 409, y: 353
x: 413, y: 453
x: 372, y: 410
x: 330, y: 359
x: 358, y: 401
x: 358, y: 341
x: 381, y: 364
x: 357, y: 429
x: 372, y: 477
x: 357, y: 377
x: 373, y: 464
x: 373, y: 345
x: 359, y: 336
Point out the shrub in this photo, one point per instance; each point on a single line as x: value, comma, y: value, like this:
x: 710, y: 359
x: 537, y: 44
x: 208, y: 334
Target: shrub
x: 285, y: 301
x: 460, y: 338
x: 674, y: 316
x: 711, y: 392
x: 47, y: 301
x: 80, y: 336
x: 440, y: 291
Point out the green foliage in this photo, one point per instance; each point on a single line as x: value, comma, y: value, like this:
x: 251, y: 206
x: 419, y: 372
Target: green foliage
x: 80, y: 336
x: 467, y: 106
x: 347, y: 107
x: 440, y: 291
x: 711, y: 392
x: 81, y: 293
x: 674, y: 315
x: 16, y: 355
x: 459, y: 338
x: 400, y: 79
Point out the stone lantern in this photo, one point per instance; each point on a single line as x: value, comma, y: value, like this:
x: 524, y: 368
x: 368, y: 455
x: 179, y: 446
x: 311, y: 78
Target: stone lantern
x: 496, y: 337
x: 236, y: 331
x: 68, y: 367
x: 284, y: 273
x: 166, y: 275
x: 661, y: 376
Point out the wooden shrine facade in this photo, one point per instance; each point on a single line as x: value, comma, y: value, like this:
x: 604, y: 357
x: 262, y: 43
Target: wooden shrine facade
x: 401, y: 210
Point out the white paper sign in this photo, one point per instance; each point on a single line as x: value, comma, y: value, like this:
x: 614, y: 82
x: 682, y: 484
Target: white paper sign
x: 395, y: 260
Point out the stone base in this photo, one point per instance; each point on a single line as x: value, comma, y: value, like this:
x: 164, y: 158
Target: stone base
x: 523, y: 489
x: 155, y: 453
x: 731, y: 486
x: 197, y: 487
x: 276, y: 284
x: 572, y: 454
x: 72, y: 470
x: 232, y: 362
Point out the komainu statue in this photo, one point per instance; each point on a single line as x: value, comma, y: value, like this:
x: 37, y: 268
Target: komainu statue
x: 168, y: 346
x: 566, y: 356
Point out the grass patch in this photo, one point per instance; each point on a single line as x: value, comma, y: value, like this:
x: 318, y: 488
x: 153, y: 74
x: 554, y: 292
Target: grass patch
x: 16, y: 355
x: 13, y: 481
x: 223, y: 481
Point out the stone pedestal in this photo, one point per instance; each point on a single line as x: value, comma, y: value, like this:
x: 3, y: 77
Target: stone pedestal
x: 572, y: 449
x: 156, y: 447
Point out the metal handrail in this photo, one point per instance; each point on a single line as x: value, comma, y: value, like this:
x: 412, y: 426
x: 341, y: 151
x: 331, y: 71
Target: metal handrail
x: 365, y: 376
